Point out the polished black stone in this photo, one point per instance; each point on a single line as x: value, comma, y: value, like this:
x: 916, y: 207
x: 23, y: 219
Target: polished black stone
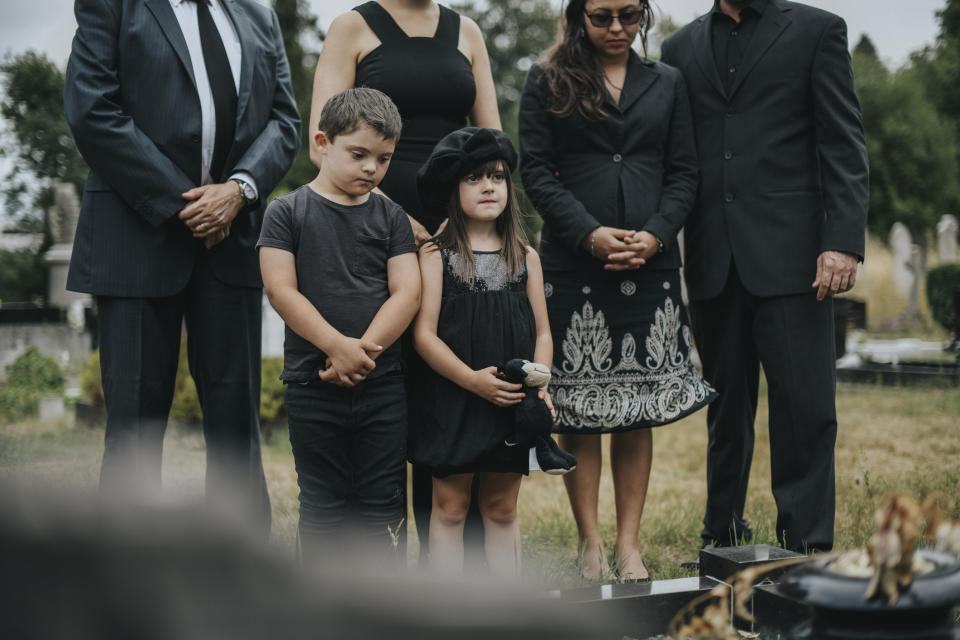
x: 643, y: 609
x: 722, y: 562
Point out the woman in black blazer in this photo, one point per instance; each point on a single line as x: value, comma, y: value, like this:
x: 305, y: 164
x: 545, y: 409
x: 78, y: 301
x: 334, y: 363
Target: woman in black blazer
x: 607, y: 156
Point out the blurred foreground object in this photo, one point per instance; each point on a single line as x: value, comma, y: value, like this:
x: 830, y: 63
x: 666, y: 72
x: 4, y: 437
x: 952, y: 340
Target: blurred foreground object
x: 75, y: 567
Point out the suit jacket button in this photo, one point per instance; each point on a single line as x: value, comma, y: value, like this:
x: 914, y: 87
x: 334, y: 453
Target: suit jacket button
x: 195, y: 138
x: 617, y: 157
x: 728, y: 198
x: 727, y: 154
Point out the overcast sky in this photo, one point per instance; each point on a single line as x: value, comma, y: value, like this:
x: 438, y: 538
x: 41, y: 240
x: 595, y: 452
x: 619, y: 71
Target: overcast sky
x: 897, y: 27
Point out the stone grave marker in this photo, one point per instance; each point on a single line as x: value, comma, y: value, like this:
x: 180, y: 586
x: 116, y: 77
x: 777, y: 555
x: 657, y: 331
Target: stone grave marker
x: 900, y: 245
x: 947, y: 239
x: 63, y: 217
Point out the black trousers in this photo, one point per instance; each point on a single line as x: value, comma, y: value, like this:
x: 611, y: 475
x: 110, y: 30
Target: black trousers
x: 139, y: 349
x: 349, y: 448
x: 792, y: 338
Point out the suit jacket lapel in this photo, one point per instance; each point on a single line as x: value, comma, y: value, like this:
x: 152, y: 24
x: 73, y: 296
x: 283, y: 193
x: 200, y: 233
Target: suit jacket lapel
x: 242, y: 25
x: 772, y: 23
x: 703, y: 52
x: 163, y: 13
x: 640, y: 77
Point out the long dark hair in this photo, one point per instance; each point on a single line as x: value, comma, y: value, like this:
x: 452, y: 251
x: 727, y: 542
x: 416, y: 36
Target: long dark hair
x: 454, y: 235
x: 572, y: 69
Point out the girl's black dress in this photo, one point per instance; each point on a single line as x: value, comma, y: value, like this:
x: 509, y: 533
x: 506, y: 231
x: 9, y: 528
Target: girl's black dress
x: 432, y: 84
x: 484, y: 323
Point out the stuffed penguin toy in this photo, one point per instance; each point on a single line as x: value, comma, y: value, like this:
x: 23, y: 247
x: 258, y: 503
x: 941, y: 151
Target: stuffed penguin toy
x: 532, y: 419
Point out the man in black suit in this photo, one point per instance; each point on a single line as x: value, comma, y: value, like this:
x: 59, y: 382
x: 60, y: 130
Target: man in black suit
x: 782, y: 206
x: 184, y: 112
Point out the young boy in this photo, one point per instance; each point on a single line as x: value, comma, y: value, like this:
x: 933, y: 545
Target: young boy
x: 339, y: 265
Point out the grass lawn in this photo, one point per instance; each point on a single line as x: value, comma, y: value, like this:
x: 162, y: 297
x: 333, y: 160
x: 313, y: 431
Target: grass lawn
x: 889, y: 439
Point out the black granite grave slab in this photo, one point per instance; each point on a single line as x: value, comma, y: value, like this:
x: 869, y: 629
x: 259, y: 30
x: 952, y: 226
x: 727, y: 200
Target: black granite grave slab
x: 722, y: 562
x: 914, y: 374
x: 644, y: 609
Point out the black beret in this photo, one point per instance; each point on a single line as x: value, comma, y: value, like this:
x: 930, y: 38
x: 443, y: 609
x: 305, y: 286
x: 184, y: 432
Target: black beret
x: 454, y: 156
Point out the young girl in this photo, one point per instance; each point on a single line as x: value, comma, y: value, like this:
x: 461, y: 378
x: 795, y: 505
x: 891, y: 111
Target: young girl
x: 482, y: 304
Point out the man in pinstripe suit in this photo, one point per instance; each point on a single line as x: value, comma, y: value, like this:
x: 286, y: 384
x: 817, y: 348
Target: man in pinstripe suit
x: 184, y: 112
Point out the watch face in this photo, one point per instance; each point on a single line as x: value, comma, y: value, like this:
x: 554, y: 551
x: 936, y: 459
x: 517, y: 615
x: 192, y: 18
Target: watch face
x: 246, y: 191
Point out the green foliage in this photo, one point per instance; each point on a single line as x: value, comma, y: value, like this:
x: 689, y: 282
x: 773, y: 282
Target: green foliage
x: 942, y: 283
x: 273, y: 406
x: 23, y: 276
x: 34, y: 369
x: 186, y: 404
x: 91, y: 389
x: 300, y: 34
x: 516, y: 33
x: 31, y: 375
x: 913, y: 149
x: 42, y: 144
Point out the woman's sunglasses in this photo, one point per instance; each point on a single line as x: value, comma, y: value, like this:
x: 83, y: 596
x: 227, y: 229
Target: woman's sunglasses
x: 604, y: 20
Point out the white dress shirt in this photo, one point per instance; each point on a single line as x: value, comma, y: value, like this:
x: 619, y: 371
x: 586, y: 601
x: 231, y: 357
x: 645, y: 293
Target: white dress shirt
x: 186, y: 13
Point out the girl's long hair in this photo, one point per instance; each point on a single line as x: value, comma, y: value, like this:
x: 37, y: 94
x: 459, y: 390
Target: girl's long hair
x: 454, y: 235
x: 571, y: 67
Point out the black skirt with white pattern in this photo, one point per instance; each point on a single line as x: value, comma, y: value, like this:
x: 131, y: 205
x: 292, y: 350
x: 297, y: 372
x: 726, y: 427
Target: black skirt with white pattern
x: 621, y: 358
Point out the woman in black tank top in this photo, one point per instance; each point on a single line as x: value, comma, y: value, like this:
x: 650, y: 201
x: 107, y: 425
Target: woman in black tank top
x: 433, y: 64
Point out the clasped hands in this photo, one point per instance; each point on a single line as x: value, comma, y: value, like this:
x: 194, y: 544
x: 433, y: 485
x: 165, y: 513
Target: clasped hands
x: 621, y: 249
x: 349, y: 362
x: 210, y: 210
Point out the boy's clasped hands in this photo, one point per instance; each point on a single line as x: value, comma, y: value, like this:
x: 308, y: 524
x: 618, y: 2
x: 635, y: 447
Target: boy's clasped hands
x: 349, y: 362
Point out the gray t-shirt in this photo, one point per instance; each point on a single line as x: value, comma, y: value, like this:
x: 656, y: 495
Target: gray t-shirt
x: 341, y: 254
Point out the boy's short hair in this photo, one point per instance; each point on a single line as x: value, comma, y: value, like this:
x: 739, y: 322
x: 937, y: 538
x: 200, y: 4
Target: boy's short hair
x: 347, y: 110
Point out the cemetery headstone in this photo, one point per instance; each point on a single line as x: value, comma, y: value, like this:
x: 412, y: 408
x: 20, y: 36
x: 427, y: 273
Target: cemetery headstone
x: 63, y: 217
x: 901, y: 243
x: 917, y: 270
x: 947, y: 239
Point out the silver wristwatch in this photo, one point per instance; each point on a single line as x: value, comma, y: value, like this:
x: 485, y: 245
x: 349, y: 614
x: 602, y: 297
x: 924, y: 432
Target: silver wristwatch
x: 246, y: 192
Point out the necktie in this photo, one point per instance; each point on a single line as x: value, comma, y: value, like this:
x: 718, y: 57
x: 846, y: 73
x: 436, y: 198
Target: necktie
x: 221, y: 84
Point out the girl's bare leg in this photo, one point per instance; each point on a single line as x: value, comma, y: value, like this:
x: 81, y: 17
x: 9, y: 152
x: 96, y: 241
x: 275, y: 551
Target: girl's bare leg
x: 501, y: 539
x: 451, y: 500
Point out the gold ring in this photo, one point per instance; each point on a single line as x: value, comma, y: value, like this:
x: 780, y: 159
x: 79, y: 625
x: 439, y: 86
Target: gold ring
x: 202, y: 226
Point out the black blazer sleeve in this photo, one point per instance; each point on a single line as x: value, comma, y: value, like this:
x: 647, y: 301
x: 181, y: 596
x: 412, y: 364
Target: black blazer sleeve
x: 844, y: 170
x: 569, y: 220
x: 680, y: 171
x: 108, y: 138
x: 270, y: 155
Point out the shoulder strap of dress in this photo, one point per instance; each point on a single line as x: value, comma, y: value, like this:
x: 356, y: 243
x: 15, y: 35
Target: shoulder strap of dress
x: 380, y: 22
x: 448, y: 31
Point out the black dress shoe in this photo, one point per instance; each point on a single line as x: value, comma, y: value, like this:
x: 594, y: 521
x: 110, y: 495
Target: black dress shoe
x: 695, y: 563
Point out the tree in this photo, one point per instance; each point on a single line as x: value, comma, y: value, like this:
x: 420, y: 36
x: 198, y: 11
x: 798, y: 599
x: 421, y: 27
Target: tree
x: 42, y: 148
x: 42, y: 145
x: 300, y: 34
x: 938, y: 66
x: 912, y: 148
x: 517, y: 34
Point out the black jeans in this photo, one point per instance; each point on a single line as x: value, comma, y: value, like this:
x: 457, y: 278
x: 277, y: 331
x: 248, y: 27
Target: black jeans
x: 349, y: 448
